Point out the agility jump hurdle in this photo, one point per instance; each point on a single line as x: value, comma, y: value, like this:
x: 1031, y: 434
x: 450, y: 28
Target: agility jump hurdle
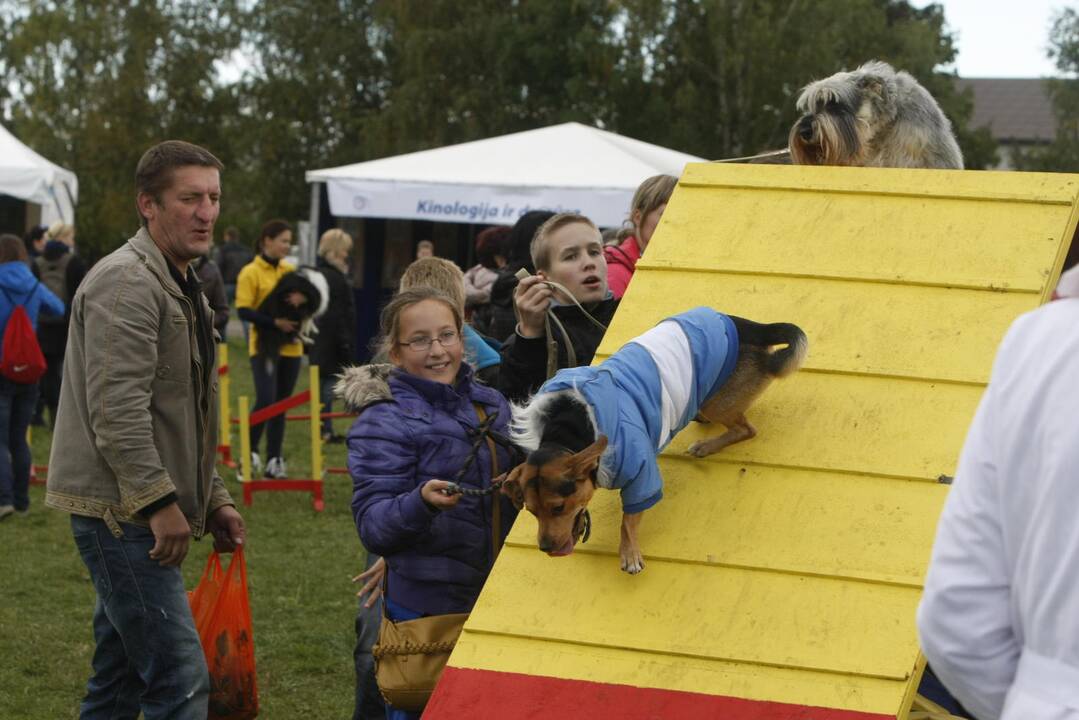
x: 224, y: 447
x: 247, y: 420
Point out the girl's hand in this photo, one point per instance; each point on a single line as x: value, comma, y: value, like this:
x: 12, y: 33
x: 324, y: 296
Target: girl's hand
x: 433, y: 493
x: 372, y: 582
x: 532, y: 296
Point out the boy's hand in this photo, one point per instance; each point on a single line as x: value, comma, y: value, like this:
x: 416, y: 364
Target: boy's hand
x: 532, y: 297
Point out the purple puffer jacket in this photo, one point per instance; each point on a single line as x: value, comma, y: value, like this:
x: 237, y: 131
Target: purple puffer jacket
x: 438, y: 561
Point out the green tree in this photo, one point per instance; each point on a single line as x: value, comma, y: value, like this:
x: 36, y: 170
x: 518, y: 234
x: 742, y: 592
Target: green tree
x: 1062, y: 155
x: 93, y: 83
x: 313, y: 80
x: 463, y: 71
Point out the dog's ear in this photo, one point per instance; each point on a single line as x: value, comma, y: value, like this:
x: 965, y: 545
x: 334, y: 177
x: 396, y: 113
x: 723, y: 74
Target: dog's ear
x: 584, y: 463
x: 513, y: 486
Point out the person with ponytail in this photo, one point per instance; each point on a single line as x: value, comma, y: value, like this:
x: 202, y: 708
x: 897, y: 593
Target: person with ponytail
x: 274, y: 376
x: 646, y: 209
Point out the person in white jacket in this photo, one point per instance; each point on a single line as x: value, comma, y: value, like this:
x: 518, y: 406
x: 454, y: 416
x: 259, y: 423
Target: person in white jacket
x: 999, y: 620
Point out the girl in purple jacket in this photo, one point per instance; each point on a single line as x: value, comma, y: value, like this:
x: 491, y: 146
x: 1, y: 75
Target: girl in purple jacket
x: 411, y: 438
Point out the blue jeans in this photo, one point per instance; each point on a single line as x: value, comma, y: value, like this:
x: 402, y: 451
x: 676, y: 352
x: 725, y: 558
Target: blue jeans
x: 17, y: 403
x: 147, y: 655
x: 369, y: 704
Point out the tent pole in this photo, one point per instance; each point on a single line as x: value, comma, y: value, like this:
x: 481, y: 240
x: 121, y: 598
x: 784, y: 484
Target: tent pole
x: 309, y: 252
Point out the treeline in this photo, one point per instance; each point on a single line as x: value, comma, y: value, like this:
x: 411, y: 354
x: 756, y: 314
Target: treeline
x: 277, y: 87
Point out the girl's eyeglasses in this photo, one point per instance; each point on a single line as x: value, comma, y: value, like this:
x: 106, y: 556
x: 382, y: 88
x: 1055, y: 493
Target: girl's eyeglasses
x: 446, y: 339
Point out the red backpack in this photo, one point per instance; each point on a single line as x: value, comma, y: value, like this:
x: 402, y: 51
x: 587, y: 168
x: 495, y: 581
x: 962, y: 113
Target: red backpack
x: 21, y: 360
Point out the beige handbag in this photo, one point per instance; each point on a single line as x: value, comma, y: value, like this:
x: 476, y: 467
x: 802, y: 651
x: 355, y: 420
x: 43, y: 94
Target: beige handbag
x: 410, y: 654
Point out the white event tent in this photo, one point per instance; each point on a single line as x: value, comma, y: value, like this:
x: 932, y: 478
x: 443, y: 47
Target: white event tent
x: 567, y: 167
x: 26, y: 175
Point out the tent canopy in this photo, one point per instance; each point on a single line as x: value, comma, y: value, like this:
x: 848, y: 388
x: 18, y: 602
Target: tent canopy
x: 568, y: 167
x: 28, y: 176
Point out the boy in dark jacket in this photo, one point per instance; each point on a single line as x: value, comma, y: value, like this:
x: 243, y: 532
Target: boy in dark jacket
x: 568, y: 250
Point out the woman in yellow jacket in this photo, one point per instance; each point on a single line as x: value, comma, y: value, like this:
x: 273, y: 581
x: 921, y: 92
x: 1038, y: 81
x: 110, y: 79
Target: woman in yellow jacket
x: 274, y: 377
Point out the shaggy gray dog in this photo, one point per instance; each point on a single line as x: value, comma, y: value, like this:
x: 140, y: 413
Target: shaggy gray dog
x: 875, y: 117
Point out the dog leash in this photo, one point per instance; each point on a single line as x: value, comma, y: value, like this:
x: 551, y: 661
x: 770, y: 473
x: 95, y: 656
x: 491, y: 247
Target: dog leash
x: 484, y: 433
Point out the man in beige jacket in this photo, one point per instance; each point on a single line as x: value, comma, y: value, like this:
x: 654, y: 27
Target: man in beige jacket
x: 133, y: 449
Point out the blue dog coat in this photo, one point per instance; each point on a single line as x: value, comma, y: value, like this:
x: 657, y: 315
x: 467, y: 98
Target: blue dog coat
x: 645, y: 393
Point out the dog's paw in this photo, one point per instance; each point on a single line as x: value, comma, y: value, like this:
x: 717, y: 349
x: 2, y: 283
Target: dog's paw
x: 632, y: 562
x: 699, y: 449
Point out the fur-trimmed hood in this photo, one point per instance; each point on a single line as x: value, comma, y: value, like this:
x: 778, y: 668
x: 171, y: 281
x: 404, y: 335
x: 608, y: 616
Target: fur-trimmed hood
x: 361, y: 386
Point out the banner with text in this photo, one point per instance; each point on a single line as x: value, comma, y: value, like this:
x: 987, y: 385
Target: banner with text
x: 475, y: 204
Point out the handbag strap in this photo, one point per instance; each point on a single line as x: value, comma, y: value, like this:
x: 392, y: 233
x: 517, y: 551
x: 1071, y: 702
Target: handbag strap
x: 496, y: 498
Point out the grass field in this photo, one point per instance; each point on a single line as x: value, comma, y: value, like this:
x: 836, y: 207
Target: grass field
x: 299, y: 566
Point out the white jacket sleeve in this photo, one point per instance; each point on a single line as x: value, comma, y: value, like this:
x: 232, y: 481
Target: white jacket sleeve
x: 965, y: 617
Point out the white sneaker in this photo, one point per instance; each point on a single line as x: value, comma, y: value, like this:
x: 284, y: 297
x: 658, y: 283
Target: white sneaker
x: 256, y: 467
x: 6, y: 511
x: 275, y: 468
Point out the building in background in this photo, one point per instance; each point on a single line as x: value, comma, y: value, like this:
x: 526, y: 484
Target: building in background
x: 1017, y: 111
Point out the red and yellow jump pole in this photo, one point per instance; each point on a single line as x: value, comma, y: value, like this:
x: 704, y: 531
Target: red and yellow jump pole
x: 224, y: 447
x: 246, y: 420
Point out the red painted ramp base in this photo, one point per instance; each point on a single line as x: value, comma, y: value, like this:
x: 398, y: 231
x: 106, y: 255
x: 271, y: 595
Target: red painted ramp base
x: 478, y: 694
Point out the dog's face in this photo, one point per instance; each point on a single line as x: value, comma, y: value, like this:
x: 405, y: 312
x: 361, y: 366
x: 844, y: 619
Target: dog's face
x: 555, y: 486
x: 841, y: 114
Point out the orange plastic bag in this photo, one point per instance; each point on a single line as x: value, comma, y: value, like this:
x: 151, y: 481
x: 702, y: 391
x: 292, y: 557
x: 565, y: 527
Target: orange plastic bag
x: 223, y: 620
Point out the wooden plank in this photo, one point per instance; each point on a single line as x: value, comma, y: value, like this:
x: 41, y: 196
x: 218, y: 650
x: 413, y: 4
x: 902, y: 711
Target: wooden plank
x: 891, y: 239
x: 500, y: 695
x: 867, y: 528
x: 626, y: 667
x: 935, y: 333
x: 720, y: 613
x: 1001, y: 186
x: 852, y: 424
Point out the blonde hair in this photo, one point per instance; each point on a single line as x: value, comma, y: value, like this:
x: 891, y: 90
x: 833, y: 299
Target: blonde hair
x: 390, y: 319
x: 334, y: 240
x: 438, y: 273
x: 540, y: 254
x: 58, y: 230
x: 651, y: 193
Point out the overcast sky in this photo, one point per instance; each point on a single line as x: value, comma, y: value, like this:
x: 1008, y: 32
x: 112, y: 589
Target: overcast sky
x: 1002, y: 38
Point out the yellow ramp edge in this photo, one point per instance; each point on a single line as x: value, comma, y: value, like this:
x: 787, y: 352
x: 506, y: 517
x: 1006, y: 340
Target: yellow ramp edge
x: 788, y: 568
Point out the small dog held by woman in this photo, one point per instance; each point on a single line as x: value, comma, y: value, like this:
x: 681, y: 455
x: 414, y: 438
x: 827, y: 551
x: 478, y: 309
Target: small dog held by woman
x: 872, y: 117
x: 301, y: 297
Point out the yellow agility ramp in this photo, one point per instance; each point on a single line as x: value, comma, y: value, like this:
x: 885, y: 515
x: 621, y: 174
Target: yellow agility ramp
x: 782, y: 574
